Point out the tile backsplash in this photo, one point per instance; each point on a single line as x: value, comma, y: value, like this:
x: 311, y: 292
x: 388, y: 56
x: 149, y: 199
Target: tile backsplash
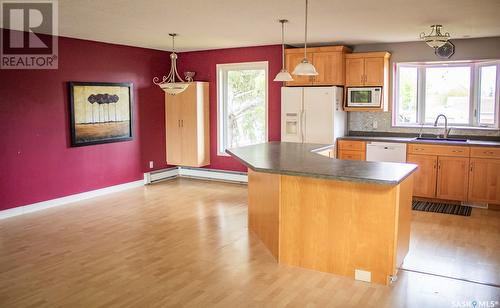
x: 382, y: 122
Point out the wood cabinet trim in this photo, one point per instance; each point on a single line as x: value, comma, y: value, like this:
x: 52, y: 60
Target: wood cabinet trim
x: 378, y: 54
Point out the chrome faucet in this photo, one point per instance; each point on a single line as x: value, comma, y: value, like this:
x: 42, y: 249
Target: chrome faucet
x: 446, y: 129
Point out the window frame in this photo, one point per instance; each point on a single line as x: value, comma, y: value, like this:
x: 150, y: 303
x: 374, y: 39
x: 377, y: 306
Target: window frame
x: 222, y: 98
x: 474, y: 95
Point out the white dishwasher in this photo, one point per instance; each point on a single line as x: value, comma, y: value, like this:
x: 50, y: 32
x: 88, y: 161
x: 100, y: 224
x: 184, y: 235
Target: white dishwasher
x: 386, y: 151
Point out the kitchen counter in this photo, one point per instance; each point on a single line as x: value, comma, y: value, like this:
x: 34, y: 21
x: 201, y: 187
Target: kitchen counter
x: 481, y: 143
x: 326, y: 214
x: 300, y: 159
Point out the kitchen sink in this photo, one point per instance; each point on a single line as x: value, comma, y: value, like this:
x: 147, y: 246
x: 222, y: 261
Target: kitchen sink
x: 441, y: 139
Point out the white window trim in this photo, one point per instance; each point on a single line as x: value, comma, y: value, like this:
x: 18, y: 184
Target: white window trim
x: 474, y: 93
x: 222, y: 98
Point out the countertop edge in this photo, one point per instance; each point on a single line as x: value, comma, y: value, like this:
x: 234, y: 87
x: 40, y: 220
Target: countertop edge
x: 470, y: 143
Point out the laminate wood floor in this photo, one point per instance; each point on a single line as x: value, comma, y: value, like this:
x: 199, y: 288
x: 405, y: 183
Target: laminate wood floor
x: 186, y: 243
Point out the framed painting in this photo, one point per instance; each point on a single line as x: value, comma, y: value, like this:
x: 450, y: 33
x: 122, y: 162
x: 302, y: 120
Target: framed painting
x: 101, y: 112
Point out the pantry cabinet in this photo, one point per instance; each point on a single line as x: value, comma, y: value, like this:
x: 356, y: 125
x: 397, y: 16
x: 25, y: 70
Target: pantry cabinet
x: 187, y: 126
x: 328, y: 60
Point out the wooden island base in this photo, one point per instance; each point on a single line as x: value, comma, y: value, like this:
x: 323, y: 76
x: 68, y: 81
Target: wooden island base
x: 330, y: 225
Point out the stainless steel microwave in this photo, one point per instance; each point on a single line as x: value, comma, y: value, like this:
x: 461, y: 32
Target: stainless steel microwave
x: 364, y: 97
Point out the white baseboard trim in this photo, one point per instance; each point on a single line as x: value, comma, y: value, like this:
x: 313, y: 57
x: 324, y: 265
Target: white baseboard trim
x: 196, y: 173
x: 213, y: 174
x: 160, y: 175
x: 68, y: 199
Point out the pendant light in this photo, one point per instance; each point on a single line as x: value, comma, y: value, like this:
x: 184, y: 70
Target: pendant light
x: 283, y: 75
x: 168, y: 83
x: 435, y: 38
x: 305, y: 68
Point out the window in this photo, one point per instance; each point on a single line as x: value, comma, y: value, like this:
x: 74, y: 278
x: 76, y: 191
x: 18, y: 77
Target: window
x: 242, y: 104
x: 467, y: 93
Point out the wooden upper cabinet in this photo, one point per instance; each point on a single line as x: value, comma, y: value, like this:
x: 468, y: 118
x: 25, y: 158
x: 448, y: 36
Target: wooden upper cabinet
x: 424, y: 179
x: 374, y: 71
x: 328, y: 60
x: 367, y: 69
x: 330, y: 67
x: 292, y: 59
x: 187, y: 126
x: 452, y: 178
x: 355, y: 69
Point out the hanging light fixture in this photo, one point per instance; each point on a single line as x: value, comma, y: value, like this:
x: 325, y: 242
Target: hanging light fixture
x: 305, y: 68
x: 168, y: 83
x: 283, y: 75
x: 435, y: 39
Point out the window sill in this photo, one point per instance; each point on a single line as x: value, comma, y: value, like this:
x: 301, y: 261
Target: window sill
x: 449, y: 126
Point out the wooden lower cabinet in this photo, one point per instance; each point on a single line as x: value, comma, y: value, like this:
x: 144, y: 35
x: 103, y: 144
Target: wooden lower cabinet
x: 351, y: 155
x: 484, y: 180
x: 424, y: 179
x: 452, y: 178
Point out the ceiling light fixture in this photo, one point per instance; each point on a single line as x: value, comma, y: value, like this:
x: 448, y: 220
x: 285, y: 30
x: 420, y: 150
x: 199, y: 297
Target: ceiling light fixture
x: 435, y: 39
x: 168, y: 83
x: 305, y: 68
x: 283, y: 75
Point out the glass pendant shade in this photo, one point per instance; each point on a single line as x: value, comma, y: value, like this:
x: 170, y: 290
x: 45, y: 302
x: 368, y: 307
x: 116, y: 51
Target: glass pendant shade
x: 435, y: 39
x: 168, y: 83
x: 305, y: 68
x: 283, y: 75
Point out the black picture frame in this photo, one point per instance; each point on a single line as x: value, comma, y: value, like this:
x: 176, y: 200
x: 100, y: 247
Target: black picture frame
x: 75, y: 138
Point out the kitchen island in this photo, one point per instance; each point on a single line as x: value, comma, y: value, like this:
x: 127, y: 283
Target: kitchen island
x: 350, y: 218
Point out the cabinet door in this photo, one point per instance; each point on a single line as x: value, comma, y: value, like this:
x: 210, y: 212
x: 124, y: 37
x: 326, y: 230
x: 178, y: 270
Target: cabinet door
x: 189, y: 126
x: 351, y: 155
x: 354, y: 70
x: 330, y: 68
x: 291, y: 61
x: 374, y: 71
x: 452, y: 180
x: 424, y: 179
x: 484, y: 180
x: 173, y: 129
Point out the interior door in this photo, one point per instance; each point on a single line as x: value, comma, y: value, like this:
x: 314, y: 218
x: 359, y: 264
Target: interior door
x: 374, y: 71
x: 318, y: 115
x: 173, y: 129
x: 291, y: 114
x: 484, y: 180
x: 354, y: 71
x: 424, y: 180
x: 452, y: 180
x: 189, y: 126
x: 292, y: 59
x: 329, y: 67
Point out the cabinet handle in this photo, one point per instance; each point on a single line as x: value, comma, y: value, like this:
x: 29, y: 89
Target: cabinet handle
x: 439, y: 166
x: 182, y: 123
x: 178, y: 123
x: 457, y: 151
x: 471, y: 166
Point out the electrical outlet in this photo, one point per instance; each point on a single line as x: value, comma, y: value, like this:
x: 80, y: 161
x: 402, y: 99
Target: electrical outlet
x: 375, y: 124
x: 151, y: 164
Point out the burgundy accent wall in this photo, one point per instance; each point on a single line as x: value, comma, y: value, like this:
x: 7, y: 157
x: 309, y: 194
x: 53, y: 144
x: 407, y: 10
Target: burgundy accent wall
x: 37, y: 161
x: 204, y: 64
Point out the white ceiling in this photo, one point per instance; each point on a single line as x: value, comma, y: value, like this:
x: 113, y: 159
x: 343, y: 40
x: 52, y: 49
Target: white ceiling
x: 210, y: 24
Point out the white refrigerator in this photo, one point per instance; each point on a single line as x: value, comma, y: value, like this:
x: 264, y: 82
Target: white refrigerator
x: 312, y: 114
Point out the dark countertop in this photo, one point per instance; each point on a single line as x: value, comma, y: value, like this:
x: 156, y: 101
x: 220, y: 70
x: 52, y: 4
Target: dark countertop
x: 299, y: 159
x: 483, y: 143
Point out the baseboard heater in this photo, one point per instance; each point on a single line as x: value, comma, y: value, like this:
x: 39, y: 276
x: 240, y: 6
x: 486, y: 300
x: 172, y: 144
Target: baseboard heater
x: 197, y: 173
